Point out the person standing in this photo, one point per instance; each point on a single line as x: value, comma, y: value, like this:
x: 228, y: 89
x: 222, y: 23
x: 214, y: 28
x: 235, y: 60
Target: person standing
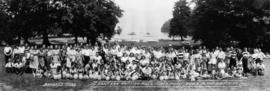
x: 86, y: 54
x: 244, y: 59
x: 233, y: 60
x: 8, y: 53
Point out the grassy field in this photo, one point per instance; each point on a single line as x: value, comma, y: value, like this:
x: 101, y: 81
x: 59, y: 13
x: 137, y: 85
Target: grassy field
x: 12, y: 82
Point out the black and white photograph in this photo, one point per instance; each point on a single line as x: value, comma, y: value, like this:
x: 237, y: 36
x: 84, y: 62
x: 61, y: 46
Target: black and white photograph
x: 134, y: 45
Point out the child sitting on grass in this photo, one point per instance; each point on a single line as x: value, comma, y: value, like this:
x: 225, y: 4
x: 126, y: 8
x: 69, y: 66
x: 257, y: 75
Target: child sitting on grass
x: 39, y: 73
x: 9, y: 67
x: 260, y: 68
x: 221, y: 70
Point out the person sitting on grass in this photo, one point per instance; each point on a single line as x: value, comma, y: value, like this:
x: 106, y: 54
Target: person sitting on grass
x: 239, y: 68
x: 177, y: 74
x: 98, y: 75
x: 85, y: 75
x: 122, y: 72
x: 9, y: 67
x: 39, y: 73
x: 154, y: 74
x: 54, y: 69
x: 147, y: 71
x: 75, y: 73
x: 136, y: 75
x: 48, y: 74
x: 221, y: 69
x: 117, y: 76
x: 253, y: 65
x: 90, y: 74
x: 128, y: 73
x: 18, y: 66
x: 65, y: 72
x: 183, y: 73
x: 80, y: 71
x: 106, y: 74
x: 205, y: 75
x: 95, y: 74
x: 193, y: 75
x: 260, y: 68
x: 57, y: 76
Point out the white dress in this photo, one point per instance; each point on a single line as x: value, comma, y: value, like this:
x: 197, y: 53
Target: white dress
x: 213, y: 59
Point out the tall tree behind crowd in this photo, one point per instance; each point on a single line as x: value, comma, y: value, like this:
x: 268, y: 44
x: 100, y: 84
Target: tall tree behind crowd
x: 81, y: 18
x: 224, y: 22
x: 91, y: 18
x: 5, y: 33
x: 180, y: 20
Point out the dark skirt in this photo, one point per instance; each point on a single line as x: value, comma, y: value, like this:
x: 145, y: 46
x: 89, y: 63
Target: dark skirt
x: 245, y: 65
x: 232, y: 63
x: 86, y: 60
x: 212, y: 67
x: 7, y: 58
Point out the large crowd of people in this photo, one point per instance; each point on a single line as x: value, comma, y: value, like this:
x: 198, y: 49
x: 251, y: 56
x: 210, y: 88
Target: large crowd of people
x: 112, y: 61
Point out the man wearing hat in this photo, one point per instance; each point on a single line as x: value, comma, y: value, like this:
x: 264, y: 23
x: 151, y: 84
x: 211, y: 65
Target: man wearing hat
x: 8, y: 53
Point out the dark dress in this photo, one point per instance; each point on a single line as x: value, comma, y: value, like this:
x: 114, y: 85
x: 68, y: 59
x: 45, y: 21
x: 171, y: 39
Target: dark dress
x: 233, y: 60
x: 245, y: 62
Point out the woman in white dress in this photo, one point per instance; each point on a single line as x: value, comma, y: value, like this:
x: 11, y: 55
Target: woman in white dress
x: 34, y: 63
x: 212, y: 63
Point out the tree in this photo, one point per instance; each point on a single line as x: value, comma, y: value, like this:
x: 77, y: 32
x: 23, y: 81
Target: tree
x: 33, y: 17
x: 223, y: 22
x: 108, y: 15
x: 179, y: 22
x: 19, y: 12
x: 81, y: 18
x: 166, y: 27
x: 5, y: 22
x: 91, y: 18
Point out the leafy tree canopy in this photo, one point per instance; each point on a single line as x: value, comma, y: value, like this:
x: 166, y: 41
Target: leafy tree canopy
x: 81, y: 18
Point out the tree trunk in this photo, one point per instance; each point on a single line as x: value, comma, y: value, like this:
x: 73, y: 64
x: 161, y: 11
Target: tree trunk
x: 182, y: 38
x: 88, y: 40
x: 26, y: 40
x: 45, y: 38
x: 93, y: 41
x: 19, y: 39
x: 76, y: 39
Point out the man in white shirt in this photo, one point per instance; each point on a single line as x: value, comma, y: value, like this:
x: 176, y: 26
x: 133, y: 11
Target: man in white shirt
x: 21, y: 49
x: 221, y: 55
x: 256, y: 56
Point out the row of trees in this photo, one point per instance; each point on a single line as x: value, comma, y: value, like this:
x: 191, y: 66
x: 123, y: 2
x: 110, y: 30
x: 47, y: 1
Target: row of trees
x: 224, y: 22
x: 81, y: 18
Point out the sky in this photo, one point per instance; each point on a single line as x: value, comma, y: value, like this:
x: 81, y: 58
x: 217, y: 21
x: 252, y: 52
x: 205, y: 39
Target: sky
x: 144, y: 16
